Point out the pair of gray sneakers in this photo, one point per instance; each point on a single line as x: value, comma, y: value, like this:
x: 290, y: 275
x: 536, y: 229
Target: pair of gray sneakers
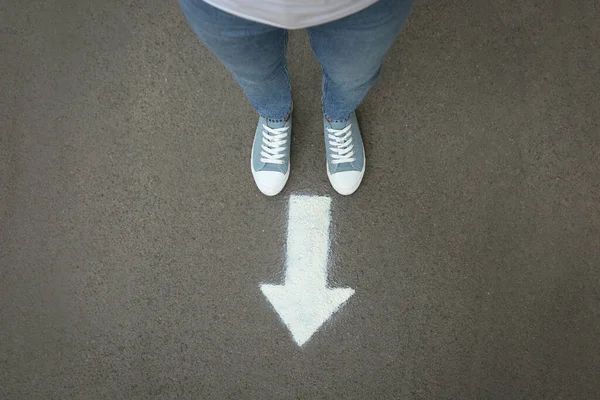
x: 270, y: 160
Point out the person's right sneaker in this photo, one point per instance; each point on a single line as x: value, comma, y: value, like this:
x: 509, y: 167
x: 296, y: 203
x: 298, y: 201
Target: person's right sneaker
x: 270, y: 160
x: 345, y: 154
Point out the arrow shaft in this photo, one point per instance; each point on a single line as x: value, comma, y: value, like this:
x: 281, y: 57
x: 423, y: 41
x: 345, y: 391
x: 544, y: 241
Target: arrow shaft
x: 308, y: 242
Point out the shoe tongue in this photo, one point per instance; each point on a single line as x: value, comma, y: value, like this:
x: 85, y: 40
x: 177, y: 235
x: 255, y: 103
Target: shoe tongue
x: 276, y: 124
x: 338, y: 125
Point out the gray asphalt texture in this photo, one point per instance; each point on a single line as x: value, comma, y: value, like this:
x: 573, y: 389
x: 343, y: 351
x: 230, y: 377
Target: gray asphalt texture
x: 133, y: 240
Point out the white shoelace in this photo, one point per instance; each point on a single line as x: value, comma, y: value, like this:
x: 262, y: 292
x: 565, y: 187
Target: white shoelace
x: 340, y: 144
x: 273, y: 144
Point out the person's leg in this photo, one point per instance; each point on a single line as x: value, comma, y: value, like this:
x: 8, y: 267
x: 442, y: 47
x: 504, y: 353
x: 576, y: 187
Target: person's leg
x: 254, y: 53
x: 351, y: 51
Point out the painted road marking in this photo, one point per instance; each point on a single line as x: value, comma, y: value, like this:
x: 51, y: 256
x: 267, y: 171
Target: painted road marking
x: 304, y: 302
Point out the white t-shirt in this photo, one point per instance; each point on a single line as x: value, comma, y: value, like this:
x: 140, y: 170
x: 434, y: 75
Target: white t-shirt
x: 291, y: 14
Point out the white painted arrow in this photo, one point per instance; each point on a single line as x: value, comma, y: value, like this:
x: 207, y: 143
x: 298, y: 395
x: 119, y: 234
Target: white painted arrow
x: 304, y: 302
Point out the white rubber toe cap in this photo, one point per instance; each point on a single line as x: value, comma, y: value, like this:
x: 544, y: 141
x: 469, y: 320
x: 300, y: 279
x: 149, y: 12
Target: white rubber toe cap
x: 347, y: 182
x: 270, y: 183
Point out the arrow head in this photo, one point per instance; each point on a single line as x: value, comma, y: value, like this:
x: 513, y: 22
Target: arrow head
x: 304, y: 310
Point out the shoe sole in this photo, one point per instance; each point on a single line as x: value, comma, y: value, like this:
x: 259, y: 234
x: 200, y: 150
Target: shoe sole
x: 275, y: 191
x: 278, y: 189
x: 352, y: 190
x: 355, y: 187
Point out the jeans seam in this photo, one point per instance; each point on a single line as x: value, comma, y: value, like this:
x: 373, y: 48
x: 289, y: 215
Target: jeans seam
x: 323, y: 90
x: 283, y: 60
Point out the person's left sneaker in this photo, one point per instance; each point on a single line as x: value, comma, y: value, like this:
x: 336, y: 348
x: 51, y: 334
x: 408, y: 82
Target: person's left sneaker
x: 270, y: 160
x: 345, y: 154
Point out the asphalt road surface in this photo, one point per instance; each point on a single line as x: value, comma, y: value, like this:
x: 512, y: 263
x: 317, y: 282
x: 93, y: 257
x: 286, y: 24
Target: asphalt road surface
x: 134, y: 243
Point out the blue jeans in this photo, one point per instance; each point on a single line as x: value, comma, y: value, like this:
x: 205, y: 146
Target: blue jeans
x: 350, y: 50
